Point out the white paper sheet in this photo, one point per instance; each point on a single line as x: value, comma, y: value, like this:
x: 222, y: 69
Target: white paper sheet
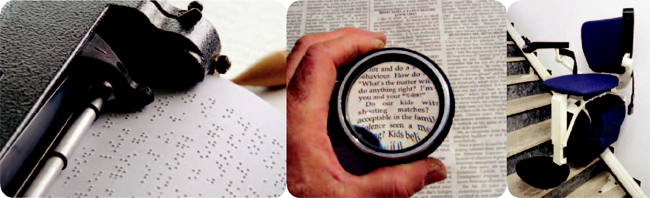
x: 216, y: 139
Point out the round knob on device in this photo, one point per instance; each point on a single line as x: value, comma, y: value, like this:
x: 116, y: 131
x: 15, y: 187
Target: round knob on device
x: 221, y: 64
x: 195, y: 4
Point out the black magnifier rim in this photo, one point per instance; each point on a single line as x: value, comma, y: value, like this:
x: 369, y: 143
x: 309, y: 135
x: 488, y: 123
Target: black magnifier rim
x: 408, y: 58
x: 399, y: 58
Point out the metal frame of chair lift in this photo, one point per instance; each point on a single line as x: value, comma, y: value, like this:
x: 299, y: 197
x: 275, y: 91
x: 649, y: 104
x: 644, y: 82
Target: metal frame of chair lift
x: 560, y: 105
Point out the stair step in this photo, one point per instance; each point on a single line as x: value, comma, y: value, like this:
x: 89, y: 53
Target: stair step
x: 530, y: 117
x: 514, y: 51
x: 572, y: 184
x: 521, y: 78
x: 525, y: 89
x: 527, y: 103
x: 516, y: 59
x: 528, y: 137
x: 521, y: 67
x: 510, y: 43
x: 593, y: 186
x: 519, y: 188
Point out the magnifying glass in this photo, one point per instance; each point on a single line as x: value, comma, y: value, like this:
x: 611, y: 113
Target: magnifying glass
x: 393, y: 105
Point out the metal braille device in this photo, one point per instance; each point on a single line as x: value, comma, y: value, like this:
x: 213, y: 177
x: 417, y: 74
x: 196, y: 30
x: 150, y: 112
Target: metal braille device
x: 390, y: 106
x: 94, y: 127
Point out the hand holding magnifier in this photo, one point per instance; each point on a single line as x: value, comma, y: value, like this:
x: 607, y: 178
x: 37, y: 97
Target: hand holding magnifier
x: 390, y: 106
x: 312, y: 166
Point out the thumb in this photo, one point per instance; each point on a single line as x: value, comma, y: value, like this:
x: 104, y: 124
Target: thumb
x: 403, y: 180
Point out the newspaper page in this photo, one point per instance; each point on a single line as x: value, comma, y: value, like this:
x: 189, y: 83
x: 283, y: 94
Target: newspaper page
x: 467, y: 39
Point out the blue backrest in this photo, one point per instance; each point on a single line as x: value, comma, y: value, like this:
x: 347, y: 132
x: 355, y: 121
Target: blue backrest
x: 601, y: 43
x: 604, y: 42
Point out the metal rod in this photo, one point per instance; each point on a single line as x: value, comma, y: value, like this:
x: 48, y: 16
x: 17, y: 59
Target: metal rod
x: 66, y: 146
x: 617, y: 168
x: 78, y: 129
x: 42, y: 182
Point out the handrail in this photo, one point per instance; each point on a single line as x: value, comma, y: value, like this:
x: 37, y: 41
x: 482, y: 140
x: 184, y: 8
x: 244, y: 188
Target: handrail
x: 539, y: 68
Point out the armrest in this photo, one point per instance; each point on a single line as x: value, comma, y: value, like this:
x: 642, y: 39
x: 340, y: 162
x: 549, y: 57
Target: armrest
x: 561, y: 52
x: 531, y: 47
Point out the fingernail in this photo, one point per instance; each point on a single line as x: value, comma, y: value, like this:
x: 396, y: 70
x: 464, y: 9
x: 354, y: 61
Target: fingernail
x: 437, y: 171
x: 379, y: 44
x: 434, y: 177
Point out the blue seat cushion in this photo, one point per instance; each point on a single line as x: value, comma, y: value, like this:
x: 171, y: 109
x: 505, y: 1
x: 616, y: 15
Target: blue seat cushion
x: 582, y: 84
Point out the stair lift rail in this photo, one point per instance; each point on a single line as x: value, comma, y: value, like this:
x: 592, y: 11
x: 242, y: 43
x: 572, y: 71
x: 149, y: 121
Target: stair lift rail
x: 537, y: 65
x: 622, y: 175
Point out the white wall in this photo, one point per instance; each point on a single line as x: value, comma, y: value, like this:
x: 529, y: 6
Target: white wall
x: 561, y: 20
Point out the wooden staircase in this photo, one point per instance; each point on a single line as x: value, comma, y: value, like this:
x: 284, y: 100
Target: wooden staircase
x: 529, y: 135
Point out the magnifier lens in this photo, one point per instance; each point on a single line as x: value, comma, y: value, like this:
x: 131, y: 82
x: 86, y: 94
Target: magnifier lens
x: 392, y: 106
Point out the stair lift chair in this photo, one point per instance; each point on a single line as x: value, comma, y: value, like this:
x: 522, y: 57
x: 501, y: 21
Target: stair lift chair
x: 607, y: 45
